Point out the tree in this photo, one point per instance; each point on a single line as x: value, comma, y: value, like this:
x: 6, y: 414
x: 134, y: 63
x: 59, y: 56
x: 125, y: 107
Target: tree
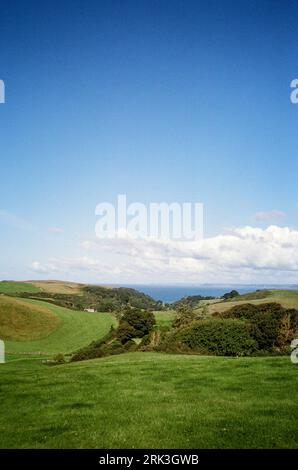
x: 286, y: 333
x: 185, y: 315
x: 140, y: 320
x: 231, y: 295
x: 125, y: 332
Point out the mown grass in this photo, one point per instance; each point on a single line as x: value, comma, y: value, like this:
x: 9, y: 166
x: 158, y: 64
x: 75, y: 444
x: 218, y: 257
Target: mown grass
x: 14, y: 287
x: 141, y: 400
x: 75, y: 330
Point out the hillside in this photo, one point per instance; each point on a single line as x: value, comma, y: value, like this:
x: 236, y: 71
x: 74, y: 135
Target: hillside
x: 58, y: 287
x: 80, y: 296
x: 13, y: 287
x: 287, y: 298
x: 182, y: 401
x: 42, y: 328
x: 21, y: 321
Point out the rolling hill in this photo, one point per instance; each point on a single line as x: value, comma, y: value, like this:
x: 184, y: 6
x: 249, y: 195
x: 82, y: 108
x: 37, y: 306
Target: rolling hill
x: 287, y: 298
x: 37, y: 327
x: 14, y: 287
x: 134, y: 400
x: 23, y: 321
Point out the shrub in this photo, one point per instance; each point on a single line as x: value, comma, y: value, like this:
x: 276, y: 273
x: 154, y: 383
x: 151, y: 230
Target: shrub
x: 125, y: 332
x: 244, y: 311
x: 185, y: 315
x: 115, y: 347
x: 230, y: 295
x: 59, y: 359
x: 141, y: 321
x: 221, y: 337
x: 270, y: 325
x: 88, y: 353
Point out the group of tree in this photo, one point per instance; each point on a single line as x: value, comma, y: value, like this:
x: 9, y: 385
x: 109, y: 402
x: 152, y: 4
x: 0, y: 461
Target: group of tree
x: 192, y: 300
x: 230, y: 295
x: 101, y: 299
x: 242, y: 330
x: 133, y: 323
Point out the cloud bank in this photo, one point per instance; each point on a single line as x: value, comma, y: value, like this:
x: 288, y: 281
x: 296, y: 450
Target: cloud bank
x: 242, y: 255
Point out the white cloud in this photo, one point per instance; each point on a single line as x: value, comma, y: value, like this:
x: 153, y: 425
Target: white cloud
x: 56, y: 230
x: 245, y: 254
x: 269, y: 216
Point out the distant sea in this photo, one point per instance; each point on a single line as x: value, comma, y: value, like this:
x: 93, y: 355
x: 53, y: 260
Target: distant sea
x: 172, y: 293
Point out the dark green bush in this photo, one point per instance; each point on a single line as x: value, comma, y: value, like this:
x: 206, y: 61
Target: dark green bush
x: 89, y: 353
x: 221, y: 337
x: 230, y: 295
x: 141, y: 321
x: 125, y: 332
x: 115, y: 347
x: 244, y: 311
x: 270, y: 325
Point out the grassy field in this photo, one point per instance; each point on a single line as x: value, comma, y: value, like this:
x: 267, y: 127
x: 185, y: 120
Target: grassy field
x: 135, y: 400
x: 287, y: 298
x: 150, y: 400
x: 164, y: 319
x: 21, y: 321
x: 75, y: 330
x: 58, y: 287
x: 11, y: 287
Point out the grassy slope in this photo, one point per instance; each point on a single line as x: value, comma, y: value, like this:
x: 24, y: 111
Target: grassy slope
x: 12, y: 287
x: 59, y: 287
x: 20, y: 321
x: 287, y: 298
x: 150, y: 400
x: 76, y: 329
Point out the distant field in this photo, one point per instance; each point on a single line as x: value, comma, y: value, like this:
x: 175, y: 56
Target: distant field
x: 164, y: 319
x: 58, y: 287
x: 287, y: 298
x: 148, y: 400
x: 11, y: 287
x: 75, y: 330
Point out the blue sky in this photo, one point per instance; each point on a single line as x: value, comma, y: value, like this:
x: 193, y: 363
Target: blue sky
x: 159, y: 100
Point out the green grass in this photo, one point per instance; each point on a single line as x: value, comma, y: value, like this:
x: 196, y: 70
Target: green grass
x: 75, y: 330
x: 141, y: 400
x: 164, y: 319
x: 13, y: 287
x: 288, y: 298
